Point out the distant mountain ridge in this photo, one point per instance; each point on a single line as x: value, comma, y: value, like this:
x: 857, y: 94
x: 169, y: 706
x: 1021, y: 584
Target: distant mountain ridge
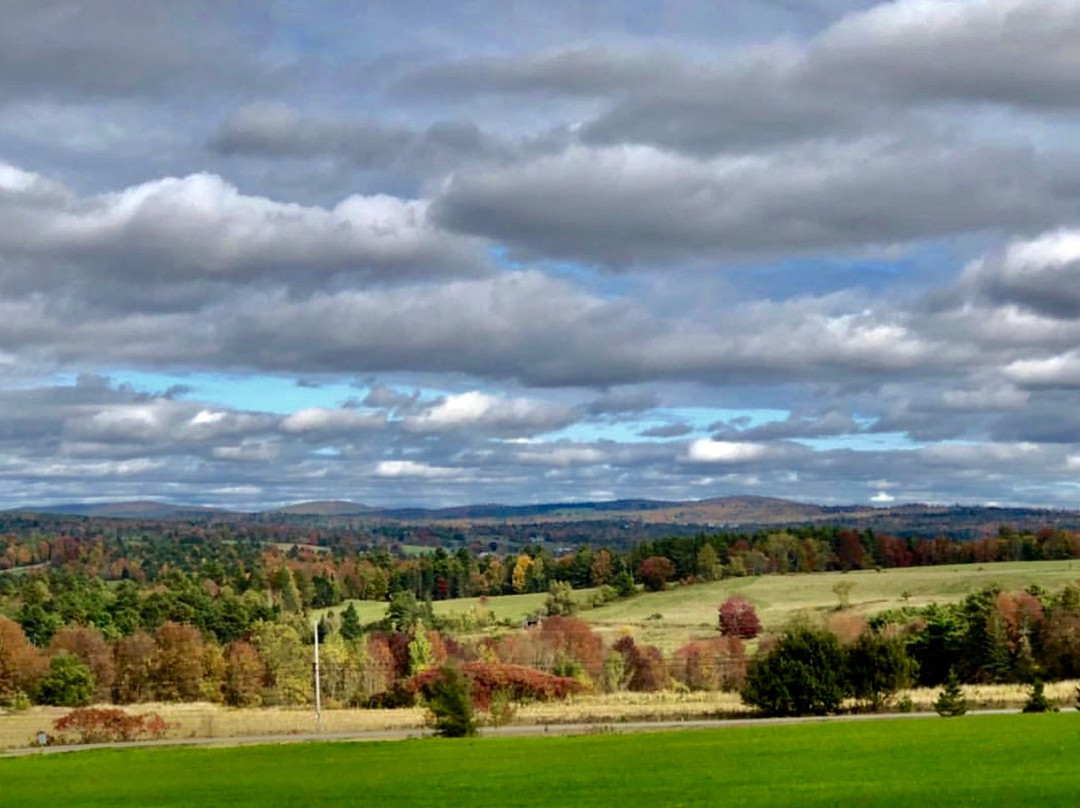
x: 741, y: 512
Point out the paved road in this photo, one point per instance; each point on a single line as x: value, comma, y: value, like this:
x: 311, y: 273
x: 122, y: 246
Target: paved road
x: 517, y: 730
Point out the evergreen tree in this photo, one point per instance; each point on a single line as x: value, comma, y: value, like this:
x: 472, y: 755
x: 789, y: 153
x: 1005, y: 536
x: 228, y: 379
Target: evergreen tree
x: 951, y: 701
x: 804, y: 675
x: 350, y: 623
x: 449, y: 699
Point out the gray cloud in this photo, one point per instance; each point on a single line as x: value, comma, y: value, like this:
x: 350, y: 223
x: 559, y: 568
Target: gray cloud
x: 631, y: 206
x: 176, y: 242
x: 867, y: 71
x: 276, y: 130
x: 606, y: 223
x: 672, y: 430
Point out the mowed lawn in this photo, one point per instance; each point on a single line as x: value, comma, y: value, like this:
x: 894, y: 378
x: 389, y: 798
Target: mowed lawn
x: 975, y: 760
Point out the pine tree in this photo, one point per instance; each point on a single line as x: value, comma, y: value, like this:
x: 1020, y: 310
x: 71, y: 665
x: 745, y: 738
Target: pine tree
x: 350, y: 623
x: 951, y: 701
x: 449, y: 699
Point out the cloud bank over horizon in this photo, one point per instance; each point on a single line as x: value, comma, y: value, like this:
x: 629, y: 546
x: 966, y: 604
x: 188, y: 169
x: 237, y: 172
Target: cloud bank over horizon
x: 257, y: 253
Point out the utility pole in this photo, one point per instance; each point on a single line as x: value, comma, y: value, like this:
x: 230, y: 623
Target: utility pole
x: 318, y: 694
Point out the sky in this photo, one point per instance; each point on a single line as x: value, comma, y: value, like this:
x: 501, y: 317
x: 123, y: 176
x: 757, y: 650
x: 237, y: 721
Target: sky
x: 425, y: 254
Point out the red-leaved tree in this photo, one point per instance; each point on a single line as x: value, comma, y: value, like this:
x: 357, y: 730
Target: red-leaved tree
x: 738, y: 618
x: 655, y: 572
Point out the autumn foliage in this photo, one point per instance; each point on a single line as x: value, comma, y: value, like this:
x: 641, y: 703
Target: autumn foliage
x: 655, y: 572
x: 97, y: 725
x: 714, y: 664
x: 519, y: 682
x: 738, y: 618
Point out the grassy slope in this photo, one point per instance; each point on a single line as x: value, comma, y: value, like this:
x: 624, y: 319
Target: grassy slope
x: 690, y: 611
x: 896, y: 762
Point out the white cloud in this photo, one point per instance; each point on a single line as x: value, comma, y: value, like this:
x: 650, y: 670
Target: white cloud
x: 1054, y: 371
x: 412, y: 468
x: 722, y: 451
x: 478, y: 410
x: 320, y: 419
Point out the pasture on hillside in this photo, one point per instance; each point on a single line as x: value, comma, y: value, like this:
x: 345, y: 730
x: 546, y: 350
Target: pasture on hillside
x: 977, y: 760
x: 670, y: 618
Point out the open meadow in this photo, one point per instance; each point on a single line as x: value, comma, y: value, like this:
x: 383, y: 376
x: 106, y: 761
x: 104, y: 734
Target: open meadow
x: 966, y: 761
x: 670, y: 618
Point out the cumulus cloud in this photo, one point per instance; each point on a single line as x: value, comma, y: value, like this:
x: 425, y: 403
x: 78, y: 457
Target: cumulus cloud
x: 1041, y: 275
x: 322, y: 420
x: 200, y: 228
x: 475, y: 410
x: 861, y: 214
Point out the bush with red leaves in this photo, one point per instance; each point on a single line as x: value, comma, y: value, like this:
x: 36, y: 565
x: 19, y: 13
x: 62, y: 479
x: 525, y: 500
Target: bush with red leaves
x: 106, y: 725
x: 517, y: 681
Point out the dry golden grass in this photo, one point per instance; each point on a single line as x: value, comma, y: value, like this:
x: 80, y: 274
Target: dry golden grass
x: 202, y: 720
x: 615, y: 707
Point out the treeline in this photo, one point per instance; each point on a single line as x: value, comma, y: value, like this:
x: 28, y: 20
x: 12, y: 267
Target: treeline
x: 378, y: 667
x: 310, y: 576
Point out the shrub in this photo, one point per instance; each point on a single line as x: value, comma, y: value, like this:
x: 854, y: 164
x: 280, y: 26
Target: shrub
x: 624, y: 585
x: 518, y: 682
x: 803, y: 675
x: 109, y: 725
x: 502, y: 709
x: 951, y: 702
x: 560, y: 600
x: 1038, y: 702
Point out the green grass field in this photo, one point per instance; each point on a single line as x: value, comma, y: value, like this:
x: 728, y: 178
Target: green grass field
x: 977, y: 760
